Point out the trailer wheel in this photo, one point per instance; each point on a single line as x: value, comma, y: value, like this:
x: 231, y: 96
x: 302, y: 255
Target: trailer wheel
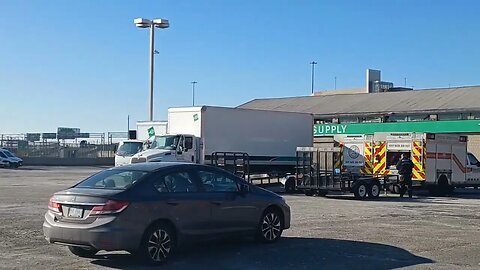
x: 374, y: 190
x: 396, y: 189
x: 360, y: 190
x: 290, y: 185
x: 308, y: 192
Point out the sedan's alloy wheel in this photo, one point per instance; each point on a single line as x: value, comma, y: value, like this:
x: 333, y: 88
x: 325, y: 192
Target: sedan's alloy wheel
x: 159, y: 245
x: 271, y: 226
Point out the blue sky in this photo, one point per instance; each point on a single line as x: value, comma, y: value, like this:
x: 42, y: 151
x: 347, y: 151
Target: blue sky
x: 84, y: 63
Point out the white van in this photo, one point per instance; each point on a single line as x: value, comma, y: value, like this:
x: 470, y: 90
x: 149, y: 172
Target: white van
x: 126, y: 149
x: 7, y: 159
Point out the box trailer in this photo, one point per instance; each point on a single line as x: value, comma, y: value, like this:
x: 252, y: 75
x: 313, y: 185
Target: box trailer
x: 268, y: 139
x: 150, y: 129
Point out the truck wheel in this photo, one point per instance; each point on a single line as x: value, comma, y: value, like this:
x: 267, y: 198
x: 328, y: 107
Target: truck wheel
x: 308, y: 192
x: 444, y: 188
x: 374, y: 190
x: 360, y: 190
x: 290, y: 185
x: 322, y: 193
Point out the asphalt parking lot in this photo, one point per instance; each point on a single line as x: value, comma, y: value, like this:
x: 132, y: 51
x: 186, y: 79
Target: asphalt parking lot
x: 327, y: 233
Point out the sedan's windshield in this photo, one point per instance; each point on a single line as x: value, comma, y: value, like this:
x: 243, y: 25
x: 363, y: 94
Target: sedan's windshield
x: 165, y: 142
x: 112, y: 179
x: 2, y: 154
x: 129, y: 148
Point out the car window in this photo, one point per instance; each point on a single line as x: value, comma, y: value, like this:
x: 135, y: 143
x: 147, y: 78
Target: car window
x: 176, y: 182
x: 217, y: 182
x: 8, y: 154
x: 112, y: 179
x: 2, y: 154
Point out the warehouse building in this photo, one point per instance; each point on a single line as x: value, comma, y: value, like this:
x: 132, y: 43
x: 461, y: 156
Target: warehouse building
x: 382, y: 107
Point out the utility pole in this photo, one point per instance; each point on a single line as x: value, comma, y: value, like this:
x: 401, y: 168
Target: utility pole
x: 313, y: 63
x: 405, y: 79
x: 335, y: 82
x: 193, y: 92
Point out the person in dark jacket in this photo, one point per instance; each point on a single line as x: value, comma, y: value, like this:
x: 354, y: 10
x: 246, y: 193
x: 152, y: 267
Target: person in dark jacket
x: 405, y: 167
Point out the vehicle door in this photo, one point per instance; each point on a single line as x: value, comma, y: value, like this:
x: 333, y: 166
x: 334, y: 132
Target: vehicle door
x: 180, y: 201
x: 188, y: 149
x: 232, y: 210
x: 473, y: 169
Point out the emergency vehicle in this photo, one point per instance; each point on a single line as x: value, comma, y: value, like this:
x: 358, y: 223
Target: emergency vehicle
x: 441, y: 161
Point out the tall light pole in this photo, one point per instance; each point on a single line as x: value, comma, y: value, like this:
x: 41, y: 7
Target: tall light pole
x: 313, y: 63
x: 193, y: 92
x: 145, y: 23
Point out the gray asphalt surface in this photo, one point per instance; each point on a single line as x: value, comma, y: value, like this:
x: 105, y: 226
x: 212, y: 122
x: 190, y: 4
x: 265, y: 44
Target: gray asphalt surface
x: 327, y: 233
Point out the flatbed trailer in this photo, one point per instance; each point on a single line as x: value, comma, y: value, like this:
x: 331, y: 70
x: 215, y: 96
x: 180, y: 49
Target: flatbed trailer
x: 316, y: 174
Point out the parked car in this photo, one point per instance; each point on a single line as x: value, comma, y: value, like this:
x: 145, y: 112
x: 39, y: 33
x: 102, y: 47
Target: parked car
x: 149, y: 209
x: 8, y: 159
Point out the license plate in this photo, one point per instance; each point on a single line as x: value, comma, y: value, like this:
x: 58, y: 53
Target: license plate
x: 75, y: 212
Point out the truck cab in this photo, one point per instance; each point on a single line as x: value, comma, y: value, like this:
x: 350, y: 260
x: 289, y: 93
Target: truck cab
x: 178, y: 147
x: 473, y: 169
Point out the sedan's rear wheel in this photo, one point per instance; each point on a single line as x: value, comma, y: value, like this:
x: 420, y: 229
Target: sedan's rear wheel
x: 271, y: 226
x: 83, y: 252
x: 158, y: 244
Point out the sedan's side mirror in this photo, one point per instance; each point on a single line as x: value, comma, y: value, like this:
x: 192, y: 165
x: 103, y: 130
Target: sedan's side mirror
x: 244, y: 188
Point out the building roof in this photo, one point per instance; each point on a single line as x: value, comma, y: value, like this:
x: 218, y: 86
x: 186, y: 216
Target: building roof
x: 423, y: 101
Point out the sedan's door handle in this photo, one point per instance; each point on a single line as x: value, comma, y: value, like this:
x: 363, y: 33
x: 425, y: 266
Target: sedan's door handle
x: 216, y: 202
x: 174, y: 203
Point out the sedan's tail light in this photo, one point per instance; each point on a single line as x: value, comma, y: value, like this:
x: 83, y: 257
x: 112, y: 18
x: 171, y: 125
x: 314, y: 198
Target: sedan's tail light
x: 110, y: 207
x: 54, y: 206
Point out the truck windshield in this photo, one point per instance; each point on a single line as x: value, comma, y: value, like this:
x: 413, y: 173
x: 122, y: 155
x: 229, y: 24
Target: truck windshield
x: 129, y: 148
x: 165, y: 142
x: 473, y: 160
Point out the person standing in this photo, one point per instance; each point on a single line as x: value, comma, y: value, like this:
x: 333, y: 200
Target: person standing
x: 405, y: 167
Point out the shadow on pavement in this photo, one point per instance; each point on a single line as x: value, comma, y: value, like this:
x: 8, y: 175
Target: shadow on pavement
x: 288, y: 253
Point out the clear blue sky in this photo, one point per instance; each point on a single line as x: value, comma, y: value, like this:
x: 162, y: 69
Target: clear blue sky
x: 84, y: 63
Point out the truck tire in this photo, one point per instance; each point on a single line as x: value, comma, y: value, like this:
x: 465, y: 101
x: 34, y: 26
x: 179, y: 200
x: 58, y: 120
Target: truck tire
x: 443, y: 187
x: 322, y: 193
x: 374, y: 190
x: 308, y: 192
x: 290, y: 185
x: 360, y: 190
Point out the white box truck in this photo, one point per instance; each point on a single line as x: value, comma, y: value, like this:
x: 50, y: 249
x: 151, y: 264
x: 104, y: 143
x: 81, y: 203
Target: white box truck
x: 145, y: 130
x: 269, y: 138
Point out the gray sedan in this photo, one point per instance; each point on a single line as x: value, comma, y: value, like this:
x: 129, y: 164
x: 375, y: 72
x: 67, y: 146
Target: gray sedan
x: 149, y: 209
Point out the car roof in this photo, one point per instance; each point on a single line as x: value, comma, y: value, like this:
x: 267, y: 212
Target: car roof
x: 155, y: 166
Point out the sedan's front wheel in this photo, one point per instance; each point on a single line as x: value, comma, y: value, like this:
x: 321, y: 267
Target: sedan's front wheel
x: 271, y: 226
x: 158, y: 244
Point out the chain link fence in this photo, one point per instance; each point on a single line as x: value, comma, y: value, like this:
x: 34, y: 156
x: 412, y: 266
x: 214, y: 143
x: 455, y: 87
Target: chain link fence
x: 97, y: 145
